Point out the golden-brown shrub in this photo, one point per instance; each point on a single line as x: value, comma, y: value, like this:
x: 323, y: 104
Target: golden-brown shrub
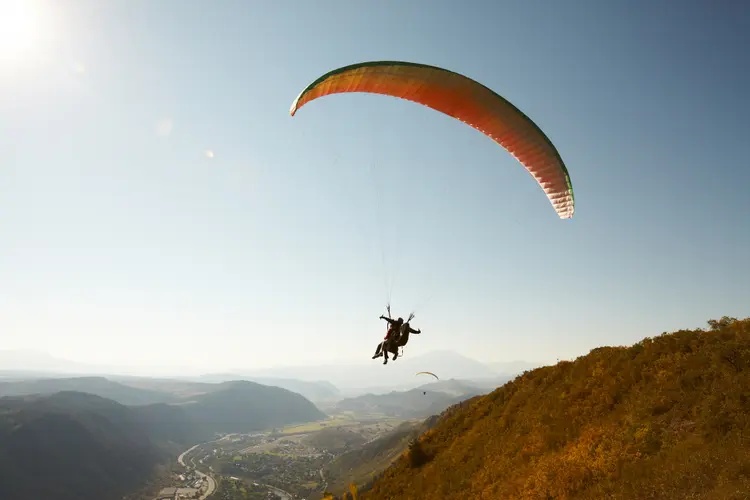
x: 668, y: 417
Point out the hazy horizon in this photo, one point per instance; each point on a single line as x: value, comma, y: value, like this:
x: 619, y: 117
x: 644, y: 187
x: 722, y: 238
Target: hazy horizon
x: 69, y: 366
x: 160, y: 208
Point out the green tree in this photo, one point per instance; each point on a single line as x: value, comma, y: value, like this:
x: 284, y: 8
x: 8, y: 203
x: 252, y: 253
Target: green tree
x: 416, y: 454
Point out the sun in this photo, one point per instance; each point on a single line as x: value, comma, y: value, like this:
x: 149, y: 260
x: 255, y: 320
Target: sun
x: 19, y: 29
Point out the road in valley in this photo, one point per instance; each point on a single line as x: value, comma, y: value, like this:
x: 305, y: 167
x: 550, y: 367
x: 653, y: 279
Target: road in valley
x: 181, y: 458
x: 209, y: 480
x: 283, y: 495
x: 211, y: 484
x: 323, y: 478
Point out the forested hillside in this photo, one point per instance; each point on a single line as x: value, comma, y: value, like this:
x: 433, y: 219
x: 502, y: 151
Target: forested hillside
x: 242, y: 406
x: 72, y: 445
x: 75, y: 445
x: 668, y: 417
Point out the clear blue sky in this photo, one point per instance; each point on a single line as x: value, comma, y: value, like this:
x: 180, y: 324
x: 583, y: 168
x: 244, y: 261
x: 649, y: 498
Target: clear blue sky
x: 122, y: 242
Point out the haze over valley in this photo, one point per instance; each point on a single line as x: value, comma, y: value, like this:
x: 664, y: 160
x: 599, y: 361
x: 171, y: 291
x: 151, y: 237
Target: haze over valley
x: 127, y: 430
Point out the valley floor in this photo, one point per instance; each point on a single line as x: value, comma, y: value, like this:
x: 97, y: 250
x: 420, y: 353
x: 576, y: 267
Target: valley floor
x: 287, y: 463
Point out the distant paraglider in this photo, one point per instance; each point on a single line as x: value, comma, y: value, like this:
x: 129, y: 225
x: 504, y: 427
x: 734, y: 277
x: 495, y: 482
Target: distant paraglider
x: 424, y: 393
x: 464, y: 99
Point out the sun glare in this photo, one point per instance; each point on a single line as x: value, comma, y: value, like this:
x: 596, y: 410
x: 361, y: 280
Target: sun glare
x: 19, y: 29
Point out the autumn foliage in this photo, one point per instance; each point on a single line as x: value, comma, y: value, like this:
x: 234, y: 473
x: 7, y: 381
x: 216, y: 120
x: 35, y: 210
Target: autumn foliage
x: 668, y: 417
x: 416, y: 455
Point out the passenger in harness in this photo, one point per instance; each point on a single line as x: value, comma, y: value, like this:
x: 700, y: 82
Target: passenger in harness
x: 391, y: 338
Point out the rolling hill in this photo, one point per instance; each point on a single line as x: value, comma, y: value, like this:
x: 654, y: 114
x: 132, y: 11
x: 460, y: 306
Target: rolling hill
x: 415, y: 403
x: 99, y: 386
x: 38, y: 363
x: 316, y: 391
x: 178, y: 389
x: 665, y: 418
x: 452, y: 387
x: 182, y: 411
x: 53, y: 440
x: 335, y: 440
x: 170, y: 426
x: 72, y: 445
x: 242, y: 406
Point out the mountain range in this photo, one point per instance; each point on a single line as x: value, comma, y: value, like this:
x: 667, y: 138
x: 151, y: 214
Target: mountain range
x: 428, y: 399
x: 317, y: 391
x: 67, y: 444
x: 373, y: 377
x: 99, y: 386
x: 323, y: 383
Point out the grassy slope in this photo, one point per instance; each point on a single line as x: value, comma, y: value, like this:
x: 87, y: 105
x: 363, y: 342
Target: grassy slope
x: 335, y: 440
x: 362, y: 465
x: 666, y: 418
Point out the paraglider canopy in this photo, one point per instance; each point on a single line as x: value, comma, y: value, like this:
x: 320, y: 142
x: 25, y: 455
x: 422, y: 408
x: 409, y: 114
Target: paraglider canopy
x: 464, y: 99
x: 427, y: 373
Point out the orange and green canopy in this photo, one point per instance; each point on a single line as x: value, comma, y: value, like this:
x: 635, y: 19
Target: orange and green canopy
x: 464, y: 99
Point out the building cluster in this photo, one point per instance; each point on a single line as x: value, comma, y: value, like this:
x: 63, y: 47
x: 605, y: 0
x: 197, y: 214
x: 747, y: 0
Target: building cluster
x: 185, y: 486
